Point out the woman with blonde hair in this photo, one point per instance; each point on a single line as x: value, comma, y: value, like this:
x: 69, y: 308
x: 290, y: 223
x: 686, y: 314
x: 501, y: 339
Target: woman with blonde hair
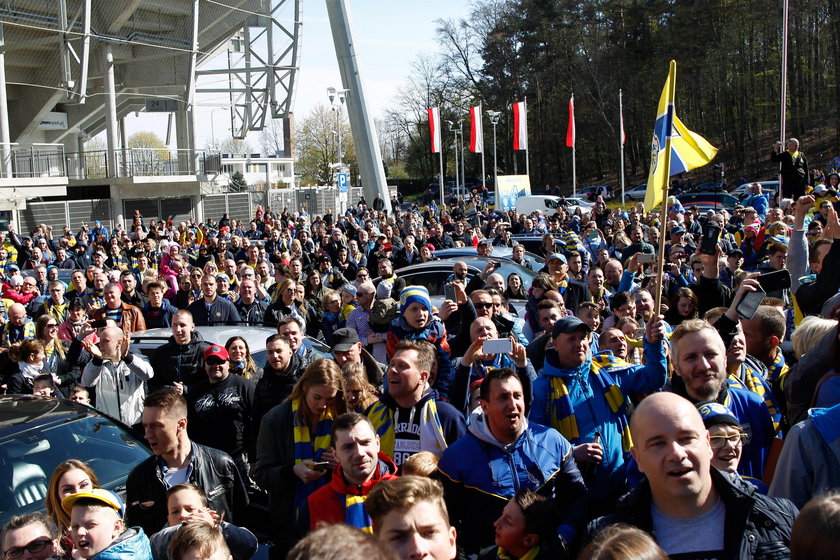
x: 241, y: 362
x: 359, y: 394
x: 55, y: 351
x: 294, y: 457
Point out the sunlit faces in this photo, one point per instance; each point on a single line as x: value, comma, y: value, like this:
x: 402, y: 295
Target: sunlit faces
x: 700, y: 360
x: 727, y: 444
x: 418, y: 532
x: 181, y: 505
x: 504, y: 409
x: 357, y: 451
x: 33, y: 537
x: 318, y: 398
x: 94, y: 528
x: 417, y: 315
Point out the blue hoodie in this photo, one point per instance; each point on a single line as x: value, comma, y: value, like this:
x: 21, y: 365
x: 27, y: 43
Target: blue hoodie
x: 132, y: 544
x: 592, y: 411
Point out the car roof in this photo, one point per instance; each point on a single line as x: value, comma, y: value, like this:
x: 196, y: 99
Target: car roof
x: 19, y: 413
x: 219, y: 334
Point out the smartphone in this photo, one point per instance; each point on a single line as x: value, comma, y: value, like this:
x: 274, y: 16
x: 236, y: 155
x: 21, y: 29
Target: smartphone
x: 775, y: 281
x: 495, y: 264
x: 497, y: 346
x: 449, y: 292
x: 711, y: 235
x: 387, y: 246
x: 749, y: 303
x: 98, y: 324
x: 646, y: 258
x: 320, y: 466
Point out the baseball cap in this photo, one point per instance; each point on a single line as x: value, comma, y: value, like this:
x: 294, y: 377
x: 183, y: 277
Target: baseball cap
x: 99, y: 494
x: 344, y: 339
x: 677, y: 230
x: 560, y: 256
x: 217, y: 351
x: 736, y: 253
x: 715, y: 413
x: 568, y: 325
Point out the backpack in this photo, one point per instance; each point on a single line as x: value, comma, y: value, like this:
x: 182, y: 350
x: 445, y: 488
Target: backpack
x: 384, y: 311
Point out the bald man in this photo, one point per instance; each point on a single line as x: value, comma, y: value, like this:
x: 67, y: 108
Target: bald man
x: 694, y: 510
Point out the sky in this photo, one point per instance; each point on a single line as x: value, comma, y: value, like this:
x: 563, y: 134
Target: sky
x: 389, y: 35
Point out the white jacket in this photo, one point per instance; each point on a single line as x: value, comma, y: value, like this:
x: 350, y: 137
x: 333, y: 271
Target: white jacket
x: 119, y: 386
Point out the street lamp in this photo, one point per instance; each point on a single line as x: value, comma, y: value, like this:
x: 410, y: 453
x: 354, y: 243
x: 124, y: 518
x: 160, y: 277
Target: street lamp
x: 337, y: 99
x: 459, y: 132
x: 494, y: 120
x: 212, y: 125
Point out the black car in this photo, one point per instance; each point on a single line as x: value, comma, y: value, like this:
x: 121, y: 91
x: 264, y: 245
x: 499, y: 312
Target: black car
x: 39, y: 433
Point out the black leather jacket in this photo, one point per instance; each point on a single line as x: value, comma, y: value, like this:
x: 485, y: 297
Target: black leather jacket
x: 756, y: 526
x: 210, y: 469
x: 173, y: 362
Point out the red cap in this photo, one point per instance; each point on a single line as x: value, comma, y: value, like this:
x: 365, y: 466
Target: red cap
x: 217, y: 352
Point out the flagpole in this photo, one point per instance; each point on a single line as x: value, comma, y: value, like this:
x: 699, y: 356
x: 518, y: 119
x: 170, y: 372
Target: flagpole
x: 479, y: 115
x: 574, y: 153
x: 621, y: 142
x: 440, y: 158
x: 527, y: 144
x: 666, y: 162
x: 783, y: 117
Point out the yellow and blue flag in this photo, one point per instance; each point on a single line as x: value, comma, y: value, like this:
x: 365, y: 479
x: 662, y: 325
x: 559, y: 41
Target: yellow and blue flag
x: 674, y: 147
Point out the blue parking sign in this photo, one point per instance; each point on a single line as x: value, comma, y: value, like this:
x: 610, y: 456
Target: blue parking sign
x: 342, y: 182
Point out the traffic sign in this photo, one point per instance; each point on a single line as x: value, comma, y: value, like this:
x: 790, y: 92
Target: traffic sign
x: 343, y: 184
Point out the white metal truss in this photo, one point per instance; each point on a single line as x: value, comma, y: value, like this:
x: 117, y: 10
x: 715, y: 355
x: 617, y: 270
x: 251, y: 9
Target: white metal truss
x: 260, y: 67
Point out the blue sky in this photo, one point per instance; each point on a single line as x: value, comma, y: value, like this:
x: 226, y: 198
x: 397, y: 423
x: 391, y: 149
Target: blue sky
x: 389, y: 34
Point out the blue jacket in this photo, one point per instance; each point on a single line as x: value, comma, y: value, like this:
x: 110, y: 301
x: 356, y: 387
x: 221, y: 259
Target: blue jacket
x: 435, y: 333
x: 132, y: 543
x: 593, y: 413
x: 480, y: 475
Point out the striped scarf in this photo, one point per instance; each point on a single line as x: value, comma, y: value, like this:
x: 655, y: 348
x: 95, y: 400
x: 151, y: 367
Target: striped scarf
x: 6, y: 334
x: 751, y: 380
x: 563, y: 410
x: 309, y: 449
x: 57, y: 312
x: 355, y: 513
x: 778, y: 369
x: 502, y: 554
x: 562, y: 285
x: 431, y: 430
x: 97, y: 298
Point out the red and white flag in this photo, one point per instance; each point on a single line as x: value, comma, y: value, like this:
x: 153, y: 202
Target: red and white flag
x: 520, y: 126
x: 476, y: 131
x: 434, y: 128
x: 570, y: 132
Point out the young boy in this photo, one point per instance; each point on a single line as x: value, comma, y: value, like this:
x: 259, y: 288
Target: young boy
x: 409, y: 517
x: 158, y: 312
x: 43, y: 385
x: 197, y: 541
x: 96, y: 525
x: 79, y: 394
x: 416, y: 321
x: 186, y: 504
x: 526, y: 529
x: 348, y: 300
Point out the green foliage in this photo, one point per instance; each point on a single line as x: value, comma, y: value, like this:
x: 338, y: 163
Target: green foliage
x: 317, y: 147
x: 728, y: 82
x: 238, y: 182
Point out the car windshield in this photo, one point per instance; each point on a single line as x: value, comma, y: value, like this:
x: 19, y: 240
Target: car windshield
x: 29, y: 455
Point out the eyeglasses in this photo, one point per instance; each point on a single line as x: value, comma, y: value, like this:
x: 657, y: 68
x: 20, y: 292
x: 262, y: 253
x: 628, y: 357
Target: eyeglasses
x: 52, y: 325
x: 214, y: 362
x: 34, y: 547
x: 720, y: 441
x: 481, y: 305
x: 362, y: 276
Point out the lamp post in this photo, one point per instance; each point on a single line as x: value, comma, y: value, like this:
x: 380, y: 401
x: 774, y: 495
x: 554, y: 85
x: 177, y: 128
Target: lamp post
x: 337, y: 99
x: 458, y: 145
x: 212, y: 125
x: 494, y: 120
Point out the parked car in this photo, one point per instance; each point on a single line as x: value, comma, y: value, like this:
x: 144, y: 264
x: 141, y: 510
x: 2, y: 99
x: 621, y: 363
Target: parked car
x: 548, y: 204
x: 145, y: 342
x: 637, y: 192
x: 591, y: 192
x: 710, y: 186
x: 707, y: 200
x: 771, y: 187
x: 39, y: 433
x: 537, y: 262
x: 434, y: 275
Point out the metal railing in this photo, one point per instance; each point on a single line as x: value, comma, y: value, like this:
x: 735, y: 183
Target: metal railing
x: 134, y: 162
x: 32, y: 161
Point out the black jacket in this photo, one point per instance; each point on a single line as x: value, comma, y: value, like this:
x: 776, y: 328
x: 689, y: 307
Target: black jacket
x: 756, y: 526
x: 211, y: 470
x: 273, y: 387
x: 222, y: 312
x: 173, y: 362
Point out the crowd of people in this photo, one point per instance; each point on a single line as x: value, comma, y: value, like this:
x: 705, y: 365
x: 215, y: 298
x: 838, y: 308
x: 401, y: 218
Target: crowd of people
x: 635, y: 397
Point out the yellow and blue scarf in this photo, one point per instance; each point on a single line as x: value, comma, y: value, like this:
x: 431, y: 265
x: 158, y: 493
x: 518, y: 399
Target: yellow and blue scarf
x: 502, y: 554
x: 6, y: 334
x: 751, y: 380
x: 309, y: 449
x: 563, y: 410
x: 431, y: 430
x: 355, y: 513
x: 777, y: 370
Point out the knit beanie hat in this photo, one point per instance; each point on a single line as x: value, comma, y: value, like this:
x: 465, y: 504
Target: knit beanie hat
x: 383, y: 290
x: 415, y: 293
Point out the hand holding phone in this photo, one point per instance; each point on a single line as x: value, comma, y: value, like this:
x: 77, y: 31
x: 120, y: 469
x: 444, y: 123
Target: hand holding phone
x: 497, y: 346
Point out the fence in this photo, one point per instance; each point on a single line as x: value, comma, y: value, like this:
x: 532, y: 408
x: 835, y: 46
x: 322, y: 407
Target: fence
x: 134, y: 162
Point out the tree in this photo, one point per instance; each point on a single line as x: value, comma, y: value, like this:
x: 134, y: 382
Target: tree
x: 238, y: 182
x: 272, y: 138
x: 235, y: 146
x: 317, y: 147
x: 145, y: 140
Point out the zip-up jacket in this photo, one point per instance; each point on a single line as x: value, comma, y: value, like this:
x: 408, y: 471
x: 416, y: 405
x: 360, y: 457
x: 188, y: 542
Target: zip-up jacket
x: 119, y: 386
x: 480, y: 475
x: 182, y: 363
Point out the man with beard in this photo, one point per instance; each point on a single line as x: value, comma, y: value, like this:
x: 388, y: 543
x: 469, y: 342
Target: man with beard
x: 699, y: 357
x: 282, y: 370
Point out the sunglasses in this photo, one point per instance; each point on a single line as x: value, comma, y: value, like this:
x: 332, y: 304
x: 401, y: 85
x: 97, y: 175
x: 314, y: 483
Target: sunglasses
x: 34, y: 547
x: 481, y: 305
x: 214, y: 362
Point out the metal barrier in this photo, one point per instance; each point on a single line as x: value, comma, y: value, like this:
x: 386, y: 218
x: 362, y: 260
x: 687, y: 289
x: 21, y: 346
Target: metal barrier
x: 32, y: 160
x: 134, y: 162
